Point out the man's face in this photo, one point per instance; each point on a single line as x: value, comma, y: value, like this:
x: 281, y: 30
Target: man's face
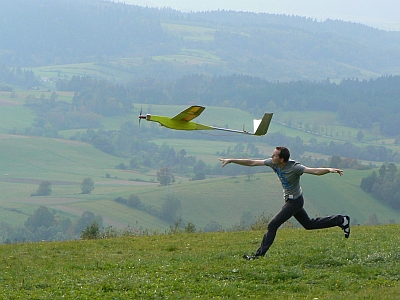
x: 275, y: 157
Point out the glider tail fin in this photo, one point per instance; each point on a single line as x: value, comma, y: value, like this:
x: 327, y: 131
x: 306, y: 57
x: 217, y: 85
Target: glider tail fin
x: 261, y: 126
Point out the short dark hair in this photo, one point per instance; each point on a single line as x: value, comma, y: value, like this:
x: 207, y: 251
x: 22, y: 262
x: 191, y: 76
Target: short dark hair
x: 283, y: 153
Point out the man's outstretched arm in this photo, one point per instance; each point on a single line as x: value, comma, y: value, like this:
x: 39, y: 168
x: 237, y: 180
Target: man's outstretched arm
x: 242, y: 161
x: 322, y: 171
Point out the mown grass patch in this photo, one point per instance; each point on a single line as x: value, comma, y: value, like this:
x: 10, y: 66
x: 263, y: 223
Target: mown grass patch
x: 300, y: 265
x: 113, y: 71
x: 189, y: 32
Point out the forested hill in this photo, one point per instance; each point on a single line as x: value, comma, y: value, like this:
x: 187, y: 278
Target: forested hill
x: 40, y: 32
x: 275, y: 47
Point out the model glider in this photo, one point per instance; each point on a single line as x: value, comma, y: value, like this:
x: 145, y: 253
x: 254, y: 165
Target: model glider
x: 183, y: 121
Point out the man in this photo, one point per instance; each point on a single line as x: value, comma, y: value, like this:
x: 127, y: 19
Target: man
x: 289, y: 173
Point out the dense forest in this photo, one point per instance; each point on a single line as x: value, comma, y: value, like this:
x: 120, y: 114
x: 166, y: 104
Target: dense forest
x: 277, y: 47
x: 41, y: 32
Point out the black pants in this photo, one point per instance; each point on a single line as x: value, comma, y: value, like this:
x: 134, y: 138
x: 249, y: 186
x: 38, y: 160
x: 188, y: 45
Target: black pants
x: 294, y: 207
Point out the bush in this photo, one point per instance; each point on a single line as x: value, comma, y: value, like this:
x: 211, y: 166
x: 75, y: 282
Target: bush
x: 87, y: 186
x: 171, y: 209
x: 91, y: 232
x: 212, y: 226
x: 44, y: 189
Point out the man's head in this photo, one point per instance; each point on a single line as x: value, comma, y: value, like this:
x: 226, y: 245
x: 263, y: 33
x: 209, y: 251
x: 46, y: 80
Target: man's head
x: 280, y: 155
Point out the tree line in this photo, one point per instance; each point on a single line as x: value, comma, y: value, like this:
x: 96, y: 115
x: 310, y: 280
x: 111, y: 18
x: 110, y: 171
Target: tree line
x: 170, y: 211
x: 17, y: 77
x: 359, y: 104
x: 47, y: 225
x: 384, y: 185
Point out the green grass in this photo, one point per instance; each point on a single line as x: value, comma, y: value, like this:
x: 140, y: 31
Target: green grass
x: 116, y: 71
x: 190, y: 56
x: 25, y: 161
x: 300, y: 265
x: 207, y: 150
x: 13, y: 115
x: 190, y: 32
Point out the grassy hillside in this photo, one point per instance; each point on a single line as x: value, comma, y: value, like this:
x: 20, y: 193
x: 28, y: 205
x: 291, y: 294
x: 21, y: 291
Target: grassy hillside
x: 26, y: 161
x: 13, y: 114
x: 300, y: 265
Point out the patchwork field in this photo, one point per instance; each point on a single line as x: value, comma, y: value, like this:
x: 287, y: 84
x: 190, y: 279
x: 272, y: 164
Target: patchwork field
x: 26, y: 161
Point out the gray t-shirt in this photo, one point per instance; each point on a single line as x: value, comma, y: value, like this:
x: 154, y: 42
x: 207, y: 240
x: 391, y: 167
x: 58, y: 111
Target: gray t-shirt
x: 289, y: 176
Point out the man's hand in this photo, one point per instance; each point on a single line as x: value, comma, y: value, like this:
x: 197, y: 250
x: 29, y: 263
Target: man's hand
x: 242, y: 161
x: 333, y: 170
x: 322, y: 171
x: 225, y: 161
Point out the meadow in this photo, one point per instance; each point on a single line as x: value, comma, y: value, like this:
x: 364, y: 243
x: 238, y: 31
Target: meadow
x: 26, y: 161
x: 300, y: 265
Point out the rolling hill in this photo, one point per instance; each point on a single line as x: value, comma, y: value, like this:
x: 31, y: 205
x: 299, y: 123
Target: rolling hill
x: 120, y: 41
x: 170, y: 44
x: 26, y: 161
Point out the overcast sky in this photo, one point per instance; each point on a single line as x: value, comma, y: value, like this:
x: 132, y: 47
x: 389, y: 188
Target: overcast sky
x: 377, y: 13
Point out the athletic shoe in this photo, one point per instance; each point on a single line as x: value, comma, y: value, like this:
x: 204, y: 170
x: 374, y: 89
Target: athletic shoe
x: 250, y: 257
x: 346, y: 228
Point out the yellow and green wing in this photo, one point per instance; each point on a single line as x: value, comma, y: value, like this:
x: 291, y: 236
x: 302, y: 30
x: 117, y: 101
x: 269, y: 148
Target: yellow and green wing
x: 182, y: 121
x: 189, y: 113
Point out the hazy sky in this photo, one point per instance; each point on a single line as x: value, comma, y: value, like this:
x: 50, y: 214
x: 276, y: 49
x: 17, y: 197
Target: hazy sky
x: 382, y: 13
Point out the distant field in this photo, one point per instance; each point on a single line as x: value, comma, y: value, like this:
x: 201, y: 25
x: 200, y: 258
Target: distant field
x: 26, y: 161
x: 237, y: 119
x: 190, y: 32
x: 13, y: 115
x: 330, y: 130
x: 113, y: 72
x: 190, y: 56
x: 207, y: 150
